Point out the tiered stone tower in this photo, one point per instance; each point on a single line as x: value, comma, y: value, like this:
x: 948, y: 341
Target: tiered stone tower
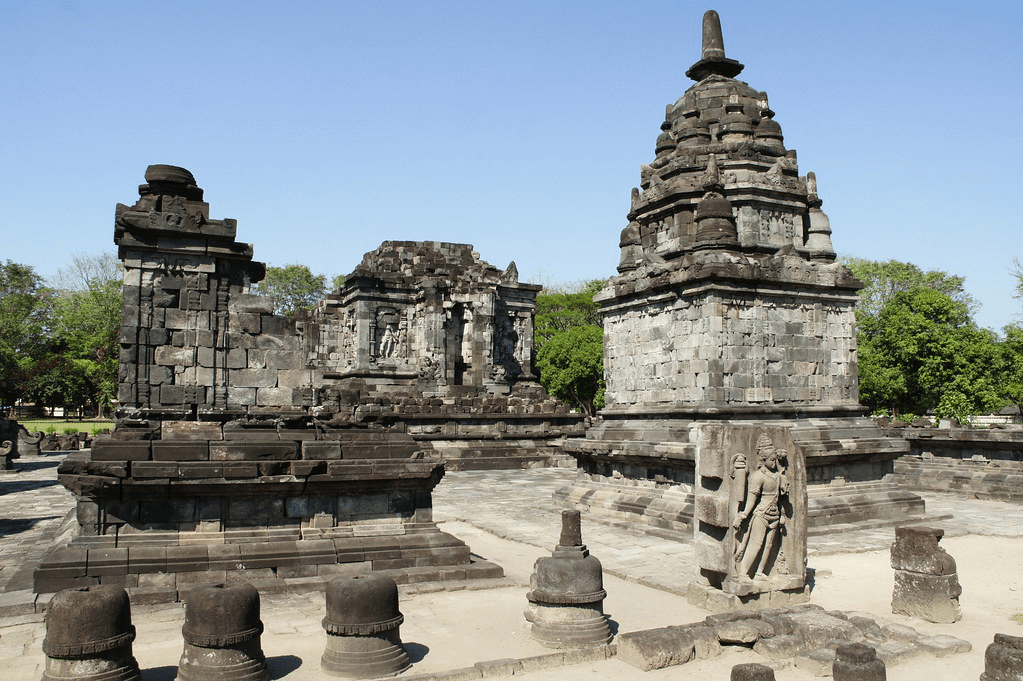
x: 729, y: 339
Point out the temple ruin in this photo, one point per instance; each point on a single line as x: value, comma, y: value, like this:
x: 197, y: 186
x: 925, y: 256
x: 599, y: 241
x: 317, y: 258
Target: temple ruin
x: 303, y: 445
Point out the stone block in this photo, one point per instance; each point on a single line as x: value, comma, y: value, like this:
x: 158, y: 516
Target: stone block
x: 941, y: 645
x: 1003, y: 659
x: 167, y: 355
x: 934, y: 598
x: 655, y: 648
x: 190, y: 430
x: 916, y: 549
x: 713, y: 509
x: 321, y: 449
x: 181, y: 450
x: 105, y: 449
x: 253, y: 450
x: 275, y: 397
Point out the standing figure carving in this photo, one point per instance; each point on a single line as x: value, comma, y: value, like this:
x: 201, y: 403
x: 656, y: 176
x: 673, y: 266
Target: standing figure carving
x: 763, y: 506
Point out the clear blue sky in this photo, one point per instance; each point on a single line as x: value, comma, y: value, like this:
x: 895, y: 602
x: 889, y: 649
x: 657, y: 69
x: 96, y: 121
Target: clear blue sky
x: 328, y: 127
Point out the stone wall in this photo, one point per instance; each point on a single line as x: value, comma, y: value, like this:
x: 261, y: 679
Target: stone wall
x: 987, y: 463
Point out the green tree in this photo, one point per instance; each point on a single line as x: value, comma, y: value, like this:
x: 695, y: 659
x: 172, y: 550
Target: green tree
x: 922, y: 351
x: 883, y: 280
x: 1011, y: 366
x: 86, y: 328
x: 24, y: 315
x: 571, y: 365
x: 558, y: 310
x: 292, y: 288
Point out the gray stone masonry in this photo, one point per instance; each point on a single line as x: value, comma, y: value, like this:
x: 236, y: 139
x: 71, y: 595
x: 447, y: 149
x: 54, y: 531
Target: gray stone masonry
x: 729, y: 319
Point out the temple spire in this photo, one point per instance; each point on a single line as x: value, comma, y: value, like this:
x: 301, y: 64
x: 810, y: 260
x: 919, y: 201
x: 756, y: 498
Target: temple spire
x: 713, y: 60
x: 713, y: 42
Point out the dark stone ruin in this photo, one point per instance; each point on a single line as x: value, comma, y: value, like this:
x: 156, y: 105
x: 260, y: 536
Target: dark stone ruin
x: 730, y: 320
x: 222, y: 635
x: 1003, y: 659
x: 566, y: 597
x: 89, y: 636
x: 857, y: 662
x: 926, y: 583
x: 246, y: 443
x: 427, y: 339
x: 13, y: 438
x: 363, y: 628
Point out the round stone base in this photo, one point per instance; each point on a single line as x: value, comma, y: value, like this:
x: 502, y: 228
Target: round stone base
x: 112, y: 666
x: 365, y: 657
x: 243, y: 662
x: 568, y: 626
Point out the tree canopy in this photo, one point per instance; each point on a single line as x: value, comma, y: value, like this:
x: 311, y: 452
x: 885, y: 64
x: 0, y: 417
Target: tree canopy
x: 569, y: 342
x: 923, y: 352
x: 883, y: 280
x: 293, y: 288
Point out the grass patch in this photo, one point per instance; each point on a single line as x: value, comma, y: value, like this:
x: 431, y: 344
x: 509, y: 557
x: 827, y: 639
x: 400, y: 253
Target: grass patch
x: 1018, y: 618
x: 66, y: 427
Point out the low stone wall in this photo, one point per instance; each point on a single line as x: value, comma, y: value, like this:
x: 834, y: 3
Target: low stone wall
x: 985, y: 463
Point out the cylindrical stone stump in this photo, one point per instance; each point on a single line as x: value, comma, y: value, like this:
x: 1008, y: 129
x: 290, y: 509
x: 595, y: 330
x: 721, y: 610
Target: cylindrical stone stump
x: 751, y: 671
x: 89, y: 635
x: 857, y: 662
x: 1003, y: 659
x: 362, y: 626
x: 222, y: 635
x: 566, y: 601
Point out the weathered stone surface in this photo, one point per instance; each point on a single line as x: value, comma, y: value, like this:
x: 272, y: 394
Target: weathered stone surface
x: 656, y: 648
x: 362, y: 625
x: 751, y: 671
x: 857, y: 662
x: 222, y: 635
x: 916, y: 549
x: 89, y: 636
x: 934, y: 598
x: 1003, y: 659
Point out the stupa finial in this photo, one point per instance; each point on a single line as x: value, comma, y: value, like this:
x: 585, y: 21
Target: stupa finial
x: 712, y: 59
x: 713, y: 42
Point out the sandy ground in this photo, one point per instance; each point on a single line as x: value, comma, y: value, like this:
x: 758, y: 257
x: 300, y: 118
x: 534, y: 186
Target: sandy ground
x: 446, y: 630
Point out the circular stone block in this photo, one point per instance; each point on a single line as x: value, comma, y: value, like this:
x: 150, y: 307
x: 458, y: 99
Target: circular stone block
x: 222, y: 635
x: 89, y: 635
x: 362, y: 625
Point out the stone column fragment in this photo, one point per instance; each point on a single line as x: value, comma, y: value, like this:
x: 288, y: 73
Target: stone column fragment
x: 857, y: 662
x: 567, y: 596
x: 362, y: 625
x: 926, y: 583
x: 89, y: 635
x: 222, y: 635
x: 1003, y: 659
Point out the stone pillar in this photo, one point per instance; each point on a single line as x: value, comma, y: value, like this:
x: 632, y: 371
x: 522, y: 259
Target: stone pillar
x: 1003, y: 659
x: 926, y: 583
x: 222, y: 635
x: 89, y: 635
x: 567, y: 593
x: 857, y: 662
x: 362, y: 625
x: 751, y: 671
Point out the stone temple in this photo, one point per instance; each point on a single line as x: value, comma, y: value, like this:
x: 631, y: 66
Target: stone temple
x: 730, y: 341
x: 304, y: 446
